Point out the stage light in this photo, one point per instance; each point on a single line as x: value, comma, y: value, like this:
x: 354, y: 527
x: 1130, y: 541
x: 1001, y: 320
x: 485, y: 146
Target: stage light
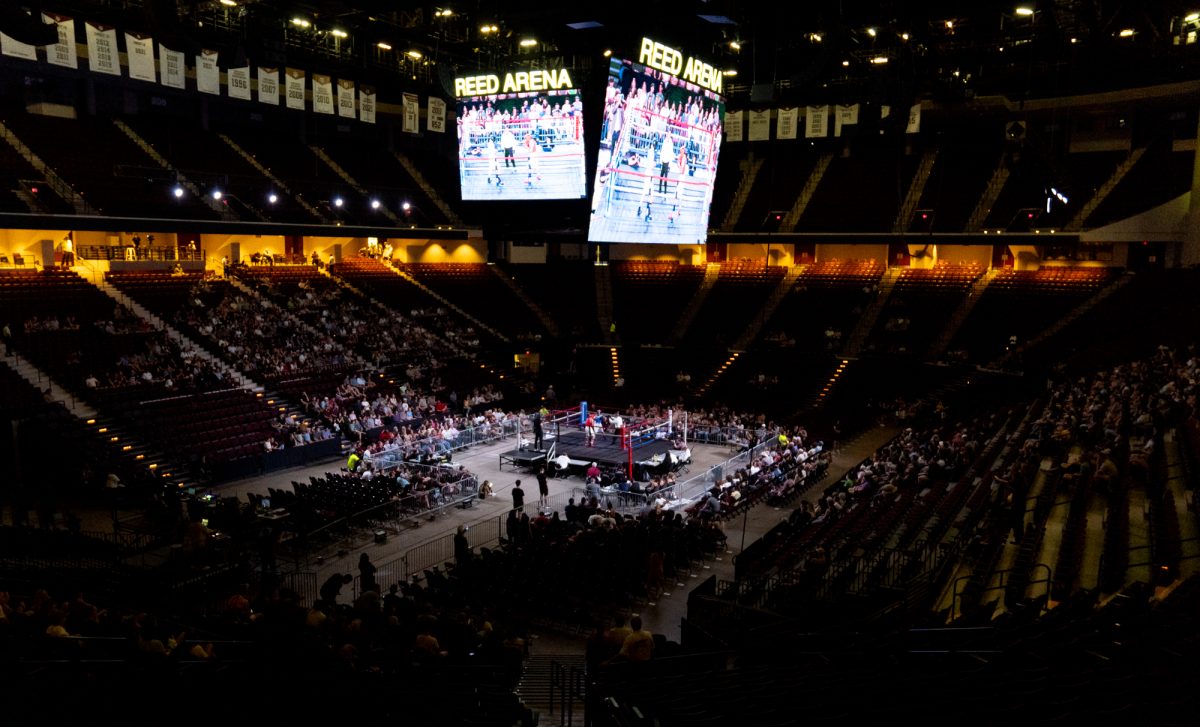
x: 374, y: 204
x: 178, y: 192
x: 1024, y: 11
x: 731, y: 72
x: 383, y: 46
x: 1192, y: 17
x: 301, y: 23
x: 879, y: 60
x: 1074, y: 40
x: 735, y: 45
x: 949, y: 25
x: 339, y: 33
x: 229, y: 3
x: 338, y: 202
x: 485, y: 29
x: 272, y: 198
x: 414, y: 54
x: 1126, y: 33
x: 216, y: 194
x: 607, y: 53
x: 406, y: 206
x: 815, y: 37
x: 845, y: 64
x: 904, y: 36
x: 528, y: 42
x: 871, y: 32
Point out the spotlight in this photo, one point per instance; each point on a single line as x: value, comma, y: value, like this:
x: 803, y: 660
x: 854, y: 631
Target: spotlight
x: 216, y: 193
x: 272, y: 198
x: 607, y: 53
x: 383, y: 46
x: 528, y: 42
x: 301, y: 22
x: 735, y: 45
x: 406, y: 206
x: 374, y: 204
x: 338, y: 202
x: 414, y: 54
x: 339, y: 33
x: 1025, y: 11
x: 871, y: 32
x: 1126, y: 33
x: 178, y: 192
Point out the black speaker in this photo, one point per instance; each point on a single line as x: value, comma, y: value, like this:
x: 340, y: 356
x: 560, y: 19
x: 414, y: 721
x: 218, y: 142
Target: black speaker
x: 762, y: 93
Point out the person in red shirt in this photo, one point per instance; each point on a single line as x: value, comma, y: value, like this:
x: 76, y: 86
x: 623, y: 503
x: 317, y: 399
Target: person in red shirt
x: 589, y: 430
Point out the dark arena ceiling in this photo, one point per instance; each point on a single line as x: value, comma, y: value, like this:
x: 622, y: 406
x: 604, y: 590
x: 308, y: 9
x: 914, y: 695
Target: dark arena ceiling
x: 781, y: 51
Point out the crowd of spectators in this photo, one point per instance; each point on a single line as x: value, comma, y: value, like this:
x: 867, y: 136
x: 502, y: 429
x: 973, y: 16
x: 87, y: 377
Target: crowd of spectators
x: 383, y: 339
x: 257, y: 336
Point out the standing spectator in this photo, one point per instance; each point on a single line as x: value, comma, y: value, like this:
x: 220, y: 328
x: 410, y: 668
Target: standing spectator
x: 333, y: 586
x: 462, y: 548
x: 543, y: 487
x: 366, y: 573
x: 518, y: 496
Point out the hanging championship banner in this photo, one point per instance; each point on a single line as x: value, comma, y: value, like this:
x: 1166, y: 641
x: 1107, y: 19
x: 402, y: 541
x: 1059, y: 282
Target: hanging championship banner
x: 345, y: 98
x: 914, y: 119
x: 733, y: 126
x: 815, y: 124
x: 102, y: 49
x: 238, y: 83
x: 436, y: 120
x: 366, y: 104
x: 139, y: 53
x: 845, y: 116
x: 171, y: 67
x: 760, y: 125
x: 294, y: 79
x: 268, y: 85
x: 17, y: 49
x: 62, y: 53
x: 208, y: 75
x: 786, y: 126
x: 322, y: 88
x: 412, y: 113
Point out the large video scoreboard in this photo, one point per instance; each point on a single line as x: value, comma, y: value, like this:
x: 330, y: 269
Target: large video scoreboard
x: 520, y: 136
x: 659, y: 144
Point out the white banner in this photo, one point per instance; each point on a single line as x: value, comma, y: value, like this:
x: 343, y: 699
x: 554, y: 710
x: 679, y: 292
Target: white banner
x: 733, y: 126
x: 17, y: 49
x: 208, y: 75
x: 366, y: 104
x: 846, y: 116
x: 102, y: 49
x: 345, y: 98
x: 237, y: 83
x: 322, y: 89
x: 171, y: 69
x: 62, y: 53
x: 914, y: 119
x: 436, y: 120
x: 760, y: 125
x: 268, y: 85
x: 139, y: 52
x: 816, y: 124
x: 786, y: 125
x: 294, y: 79
x: 412, y: 113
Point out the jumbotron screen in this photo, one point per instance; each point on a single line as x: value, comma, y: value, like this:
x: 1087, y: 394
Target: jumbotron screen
x: 659, y: 144
x: 520, y: 136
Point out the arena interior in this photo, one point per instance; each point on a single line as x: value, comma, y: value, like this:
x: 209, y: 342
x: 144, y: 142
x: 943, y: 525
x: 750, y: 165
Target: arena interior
x: 853, y: 382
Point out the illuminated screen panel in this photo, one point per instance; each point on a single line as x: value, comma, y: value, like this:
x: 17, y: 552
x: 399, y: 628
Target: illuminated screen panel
x: 523, y: 142
x: 659, y: 144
